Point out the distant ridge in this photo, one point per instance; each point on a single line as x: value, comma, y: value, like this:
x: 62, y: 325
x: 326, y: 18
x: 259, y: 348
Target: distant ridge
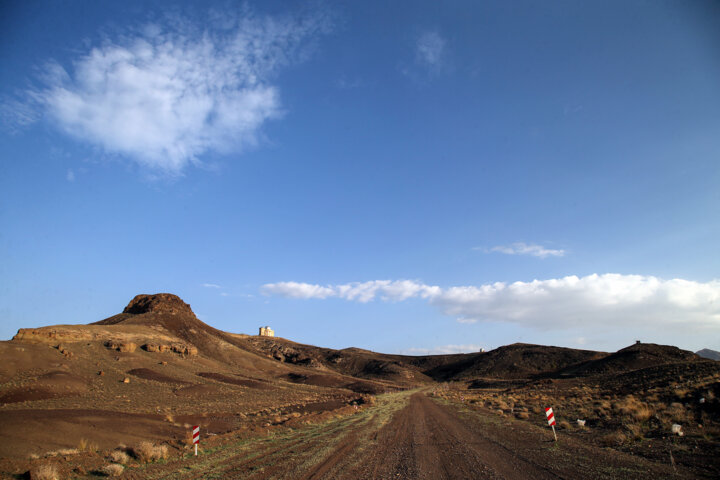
x: 634, y: 357
x: 709, y: 354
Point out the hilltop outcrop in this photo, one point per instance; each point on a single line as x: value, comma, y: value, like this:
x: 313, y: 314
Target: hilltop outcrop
x: 158, y: 303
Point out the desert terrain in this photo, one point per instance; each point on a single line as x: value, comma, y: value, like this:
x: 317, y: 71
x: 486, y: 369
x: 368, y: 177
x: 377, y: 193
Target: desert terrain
x: 118, y: 398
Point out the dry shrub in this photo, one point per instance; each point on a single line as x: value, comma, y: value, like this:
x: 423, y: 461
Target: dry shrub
x: 149, y: 452
x: 613, y: 439
x: 86, y: 446
x: 118, y: 456
x: 631, y: 407
x: 565, y: 425
x: 64, y: 452
x: 522, y: 415
x: 634, y: 431
x: 584, y: 412
x: 676, y: 412
x: 602, y: 404
x: 44, y: 472
x: 112, y: 470
x: 643, y: 412
x: 681, y: 392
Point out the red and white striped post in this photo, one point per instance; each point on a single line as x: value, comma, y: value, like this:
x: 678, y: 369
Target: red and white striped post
x: 551, y: 420
x: 196, y: 437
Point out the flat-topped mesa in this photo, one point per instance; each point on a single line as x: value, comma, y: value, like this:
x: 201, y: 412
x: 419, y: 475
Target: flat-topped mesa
x: 158, y: 303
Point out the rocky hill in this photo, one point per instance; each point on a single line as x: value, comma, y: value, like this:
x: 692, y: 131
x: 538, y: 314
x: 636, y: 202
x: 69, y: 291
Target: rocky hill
x: 709, y: 354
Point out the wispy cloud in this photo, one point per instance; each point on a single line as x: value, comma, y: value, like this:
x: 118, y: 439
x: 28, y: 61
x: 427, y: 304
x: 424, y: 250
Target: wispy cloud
x: 607, y: 300
x: 430, y: 50
x: 520, y: 248
x: 443, y: 350
x: 211, y: 285
x: 168, y: 94
x: 17, y: 114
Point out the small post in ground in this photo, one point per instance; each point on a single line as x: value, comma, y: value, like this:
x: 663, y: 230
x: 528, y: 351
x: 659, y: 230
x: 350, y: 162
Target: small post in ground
x: 551, y: 420
x: 196, y: 437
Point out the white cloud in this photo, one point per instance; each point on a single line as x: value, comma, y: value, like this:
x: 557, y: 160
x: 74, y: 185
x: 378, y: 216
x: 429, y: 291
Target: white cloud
x: 430, y: 50
x: 362, y: 292
x: 297, y: 290
x: 70, y: 176
x: 609, y: 300
x: 520, y: 248
x: 170, y: 93
x: 443, y: 350
x: 211, y: 285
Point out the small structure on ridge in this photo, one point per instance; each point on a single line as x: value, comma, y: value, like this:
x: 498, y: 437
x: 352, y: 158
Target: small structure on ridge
x: 266, y: 332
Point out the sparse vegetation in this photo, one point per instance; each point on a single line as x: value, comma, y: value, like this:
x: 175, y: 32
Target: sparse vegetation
x: 149, y: 452
x: 613, y: 439
x: 86, y: 446
x: 112, y: 470
x: 119, y: 456
x: 44, y: 472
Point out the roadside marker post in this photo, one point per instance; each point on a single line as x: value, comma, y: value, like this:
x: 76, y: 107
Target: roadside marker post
x: 196, y: 437
x: 551, y: 420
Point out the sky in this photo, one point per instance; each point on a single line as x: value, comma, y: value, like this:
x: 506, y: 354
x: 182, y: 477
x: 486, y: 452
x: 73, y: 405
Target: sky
x: 406, y: 177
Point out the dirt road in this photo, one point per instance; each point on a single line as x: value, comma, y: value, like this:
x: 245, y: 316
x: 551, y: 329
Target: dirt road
x: 411, y: 436
x: 428, y: 441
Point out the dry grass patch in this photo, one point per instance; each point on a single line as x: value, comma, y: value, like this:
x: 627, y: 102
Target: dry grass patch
x: 149, y: 452
x: 118, y: 456
x: 613, y: 439
x: 112, y: 470
x: 676, y: 412
x: 634, y: 431
x: 86, y: 446
x: 44, y: 472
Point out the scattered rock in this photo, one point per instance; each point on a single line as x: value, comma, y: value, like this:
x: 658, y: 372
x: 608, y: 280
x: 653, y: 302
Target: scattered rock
x: 126, y: 380
x: 101, y: 373
x: 155, y: 348
x: 121, y: 346
x: 184, y: 349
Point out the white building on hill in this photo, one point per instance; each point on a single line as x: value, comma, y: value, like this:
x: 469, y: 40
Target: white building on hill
x: 266, y: 332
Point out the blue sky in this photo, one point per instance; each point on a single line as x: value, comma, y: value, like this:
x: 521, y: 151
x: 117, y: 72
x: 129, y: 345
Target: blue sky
x: 411, y: 177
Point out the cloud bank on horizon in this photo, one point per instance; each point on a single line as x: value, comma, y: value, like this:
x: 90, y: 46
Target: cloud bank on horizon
x: 610, y: 300
x: 167, y: 94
